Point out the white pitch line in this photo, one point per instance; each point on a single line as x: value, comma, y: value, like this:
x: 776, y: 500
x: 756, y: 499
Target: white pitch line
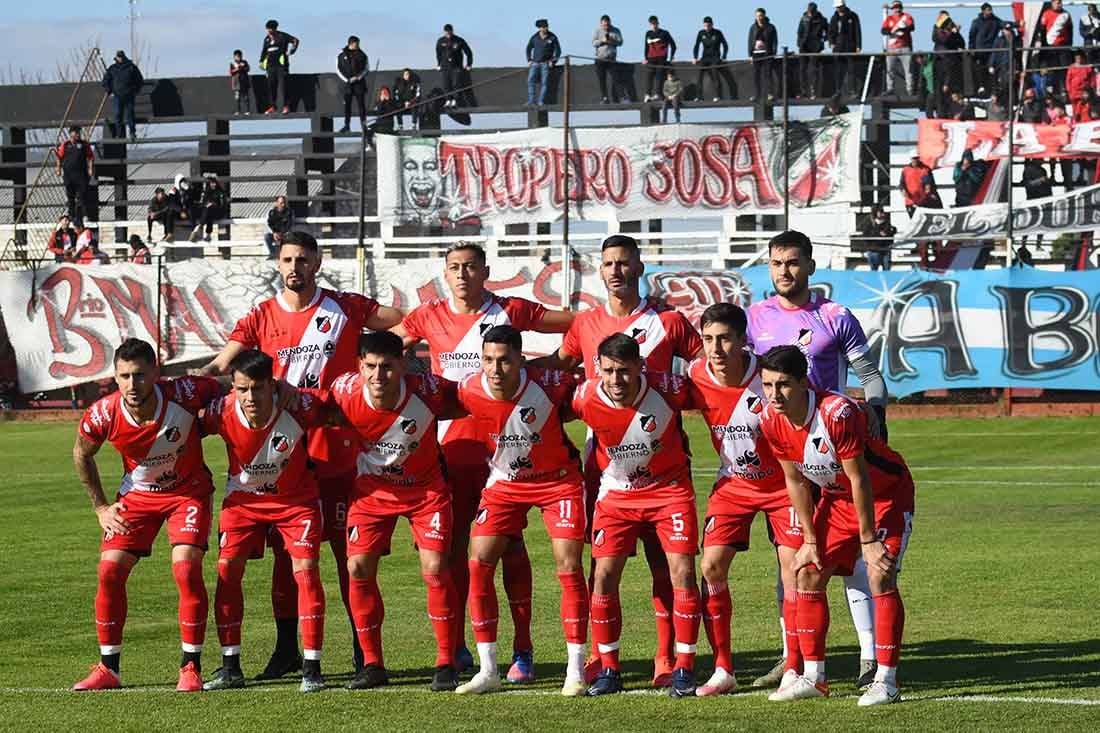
x: 991, y: 434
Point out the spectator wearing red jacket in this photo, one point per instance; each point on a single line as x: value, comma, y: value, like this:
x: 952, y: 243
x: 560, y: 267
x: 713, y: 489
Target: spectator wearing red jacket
x: 62, y: 244
x: 1079, y: 79
x: 898, y: 31
x: 917, y: 186
x: 1057, y: 35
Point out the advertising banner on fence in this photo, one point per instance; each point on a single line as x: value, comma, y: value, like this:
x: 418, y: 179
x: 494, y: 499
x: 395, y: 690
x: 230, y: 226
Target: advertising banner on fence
x: 969, y: 329
x: 616, y: 173
x: 1074, y: 211
x: 941, y: 143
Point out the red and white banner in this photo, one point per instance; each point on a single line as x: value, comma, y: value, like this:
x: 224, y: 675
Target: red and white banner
x: 617, y: 173
x: 941, y: 143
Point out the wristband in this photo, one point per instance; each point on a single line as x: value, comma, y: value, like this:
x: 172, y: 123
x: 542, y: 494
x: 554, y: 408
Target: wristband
x: 870, y: 542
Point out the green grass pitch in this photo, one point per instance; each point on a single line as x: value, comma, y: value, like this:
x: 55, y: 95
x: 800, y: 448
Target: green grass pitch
x: 1000, y: 585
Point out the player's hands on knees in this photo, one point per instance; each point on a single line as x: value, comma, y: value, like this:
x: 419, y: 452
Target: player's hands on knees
x: 806, y: 555
x: 111, y: 519
x: 877, y: 556
x: 287, y: 396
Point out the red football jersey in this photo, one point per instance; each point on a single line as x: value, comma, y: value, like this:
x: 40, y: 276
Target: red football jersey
x: 660, y: 337
x: 524, y: 435
x: 311, y: 348
x: 398, y: 453
x: 165, y: 455
x: 641, y: 450
x: 836, y: 429
x: 748, y: 467
x: 454, y: 344
x: 269, y: 460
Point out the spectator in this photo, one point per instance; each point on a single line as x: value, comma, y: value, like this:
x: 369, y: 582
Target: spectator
x: 213, y: 207
x: 1089, y: 28
x: 352, y: 65
x: 406, y: 93
x: 1054, y: 113
x: 606, y: 40
x: 62, y: 244
x: 958, y: 108
x: 845, y: 37
x: 1079, y: 79
x: 660, y: 50
x: 920, y: 76
x: 1057, y: 36
x: 139, y: 253
x: 87, y: 249
x: 813, y: 31
x: 918, y: 187
x: 878, y: 238
x: 240, y: 82
x: 1022, y: 257
x: 385, y: 111
x: 1038, y: 185
x: 161, y: 211
x: 280, y: 220
x: 763, y: 46
x: 181, y: 197
x: 947, y: 63
x: 834, y: 107
x: 455, y: 59
x: 543, y: 52
x: 672, y: 90
x: 999, y: 58
x: 712, y: 62
x: 123, y: 79
x: 1031, y: 110
x: 898, y: 30
x: 76, y: 166
x: 968, y: 175
x: 275, y: 54
x: 984, y: 31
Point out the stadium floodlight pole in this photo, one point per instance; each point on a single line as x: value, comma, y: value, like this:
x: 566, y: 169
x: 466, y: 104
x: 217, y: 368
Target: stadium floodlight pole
x: 566, y: 255
x: 786, y: 145
x: 1011, y: 144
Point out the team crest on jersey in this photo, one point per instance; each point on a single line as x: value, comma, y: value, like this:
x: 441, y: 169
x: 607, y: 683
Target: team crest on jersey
x: 755, y: 405
x: 280, y: 442
x: 408, y: 427
x: 527, y: 415
x: 482, y: 516
x: 648, y: 422
x: 805, y: 336
x: 483, y: 328
x: 172, y: 435
x: 638, y: 334
x: 324, y: 323
x: 710, y: 525
x: 598, y: 538
x: 821, y: 445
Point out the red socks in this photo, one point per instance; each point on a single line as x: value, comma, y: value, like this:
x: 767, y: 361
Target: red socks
x: 229, y: 605
x: 441, y: 592
x: 284, y: 591
x: 790, y: 630
x: 716, y: 621
x: 812, y: 621
x: 518, y: 586
x: 193, y: 603
x: 311, y: 611
x: 607, y: 627
x: 662, y: 596
x: 367, y: 613
x: 889, y: 624
x: 110, y: 605
x: 685, y: 618
x: 460, y: 577
x: 484, y: 610
x: 339, y: 547
x: 574, y: 607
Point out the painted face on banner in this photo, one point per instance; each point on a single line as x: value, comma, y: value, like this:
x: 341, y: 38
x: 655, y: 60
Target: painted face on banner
x: 420, y: 179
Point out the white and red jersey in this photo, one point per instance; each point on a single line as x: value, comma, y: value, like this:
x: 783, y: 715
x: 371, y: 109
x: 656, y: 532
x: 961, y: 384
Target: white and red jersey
x: 898, y: 29
x: 269, y: 460
x: 640, y: 450
x: 399, y: 457
x: 454, y: 345
x: 748, y: 467
x: 835, y: 430
x: 311, y: 348
x: 524, y: 435
x: 162, y: 456
x: 660, y: 336
x: 1058, y: 26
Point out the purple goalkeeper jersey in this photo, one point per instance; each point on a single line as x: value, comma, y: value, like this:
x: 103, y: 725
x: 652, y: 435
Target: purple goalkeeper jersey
x: 826, y: 332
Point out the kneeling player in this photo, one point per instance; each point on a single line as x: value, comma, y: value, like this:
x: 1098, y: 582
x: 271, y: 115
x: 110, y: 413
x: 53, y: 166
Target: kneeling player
x: 151, y: 423
x: 867, y: 491
x: 645, y: 484
x: 725, y: 386
x: 270, y: 486
x: 399, y: 476
x: 518, y: 411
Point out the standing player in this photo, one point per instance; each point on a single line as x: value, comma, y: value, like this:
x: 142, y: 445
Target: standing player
x: 726, y: 387
x: 519, y: 411
x: 311, y: 333
x: 453, y: 329
x: 832, y: 340
x: 865, y: 509
x: 270, y: 488
x: 645, y: 484
x: 151, y: 423
x: 661, y: 336
x: 399, y: 475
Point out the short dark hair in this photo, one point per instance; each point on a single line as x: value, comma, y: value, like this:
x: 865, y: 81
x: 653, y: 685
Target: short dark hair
x: 75, y: 128
x: 463, y: 246
x: 133, y: 349
x: 300, y: 238
x: 448, y: 27
x: 793, y: 238
x: 727, y: 314
x: 620, y: 347
x: 787, y: 360
x: 353, y: 39
x: 761, y: 10
x: 271, y: 24
x: 238, y: 52
x: 622, y: 240
x: 605, y: 17
x: 384, y: 343
x: 708, y: 19
x: 653, y: 19
x: 254, y: 364
x: 507, y: 335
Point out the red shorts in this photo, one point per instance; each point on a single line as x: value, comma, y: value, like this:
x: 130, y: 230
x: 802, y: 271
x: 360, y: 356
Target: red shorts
x: 504, y: 513
x: 336, y: 494
x: 467, y: 482
x: 837, y: 528
x: 188, y: 517
x: 729, y: 519
x: 615, y: 530
x: 242, y: 528
x: 371, y: 524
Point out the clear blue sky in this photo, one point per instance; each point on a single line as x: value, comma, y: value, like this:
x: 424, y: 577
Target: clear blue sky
x: 197, y: 38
